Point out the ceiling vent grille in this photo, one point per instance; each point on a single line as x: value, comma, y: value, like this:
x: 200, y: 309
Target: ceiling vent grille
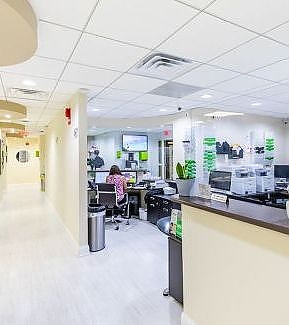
x: 163, y: 66
x: 31, y: 94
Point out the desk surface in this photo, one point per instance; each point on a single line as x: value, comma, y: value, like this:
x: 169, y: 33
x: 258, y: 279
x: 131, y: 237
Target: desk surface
x: 256, y: 214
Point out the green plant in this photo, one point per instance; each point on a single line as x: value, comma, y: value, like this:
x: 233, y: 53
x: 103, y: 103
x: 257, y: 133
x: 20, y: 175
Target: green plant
x: 180, y: 169
x: 187, y: 171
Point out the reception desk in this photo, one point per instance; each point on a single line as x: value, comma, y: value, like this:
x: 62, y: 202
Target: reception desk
x: 235, y: 263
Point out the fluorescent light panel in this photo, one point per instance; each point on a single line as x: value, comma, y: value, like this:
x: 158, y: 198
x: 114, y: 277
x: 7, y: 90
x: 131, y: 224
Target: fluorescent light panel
x: 223, y: 114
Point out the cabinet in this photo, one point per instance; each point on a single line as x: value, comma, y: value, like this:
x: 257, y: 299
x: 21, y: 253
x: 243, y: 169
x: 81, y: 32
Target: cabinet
x: 158, y: 207
x: 175, y: 269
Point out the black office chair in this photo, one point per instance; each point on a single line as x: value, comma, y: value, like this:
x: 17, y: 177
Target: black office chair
x: 106, y: 195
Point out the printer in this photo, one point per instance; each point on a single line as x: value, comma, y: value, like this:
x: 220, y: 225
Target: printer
x: 243, y: 181
x: 264, y: 179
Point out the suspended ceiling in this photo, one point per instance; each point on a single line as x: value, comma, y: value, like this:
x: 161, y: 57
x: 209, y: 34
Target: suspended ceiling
x: 238, y: 52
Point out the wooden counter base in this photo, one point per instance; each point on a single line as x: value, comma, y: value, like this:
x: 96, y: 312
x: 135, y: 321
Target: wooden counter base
x: 235, y: 272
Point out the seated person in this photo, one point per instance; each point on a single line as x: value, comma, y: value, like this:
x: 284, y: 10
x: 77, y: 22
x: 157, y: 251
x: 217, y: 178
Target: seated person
x: 115, y: 177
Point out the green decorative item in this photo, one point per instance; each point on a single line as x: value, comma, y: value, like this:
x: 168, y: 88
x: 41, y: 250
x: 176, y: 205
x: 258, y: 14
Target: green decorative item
x: 269, y: 149
x: 186, y: 177
x: 179, y: 228
x: 143, y: 155
x: 209, y: 155
x: 118, y: 154
x: 37, y: 153
x: 180, y: 171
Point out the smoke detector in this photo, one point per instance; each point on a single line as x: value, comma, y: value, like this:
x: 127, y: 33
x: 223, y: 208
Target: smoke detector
x: 163, y: 66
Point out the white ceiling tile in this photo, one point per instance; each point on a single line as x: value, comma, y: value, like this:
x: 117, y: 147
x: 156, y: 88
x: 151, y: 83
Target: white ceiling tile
x: 134, y: 107
x: 241, y: 84
x: 183, y: 104
x: 38, y: 67
x: 280, y: 34
x: 152, y: 99
x: 253, y: 55
x: 143, y: 25
x: 101, y: 113
x: 117, y: 94
x: 11, y: 80
x: 256, y: 15
x: 276, y: 72
x: 216, y: 95
x: 200, y: 4
x: 89, y: 75
x: 66, y: 87
x: 271, y: 91
x: 104, y: 104
x: 73, y: 13
x: 103, y: 53
x: 55, y: 41
x: 28, y: 103
x: 206, y: 76
x: 238, y: 101
x: 60, y: 97
x: 198, y: 41
x: 283, y: 98
x: 137, y: 83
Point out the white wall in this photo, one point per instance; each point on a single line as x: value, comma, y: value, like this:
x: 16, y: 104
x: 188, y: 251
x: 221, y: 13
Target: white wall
x: 65, y: 167
x: 234, y: 130
x: 20, y: 173
x: 3, y: 177
x: 110, y: 142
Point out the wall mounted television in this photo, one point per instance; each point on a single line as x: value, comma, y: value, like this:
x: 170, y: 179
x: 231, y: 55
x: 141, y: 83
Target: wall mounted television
x: 132, y: 142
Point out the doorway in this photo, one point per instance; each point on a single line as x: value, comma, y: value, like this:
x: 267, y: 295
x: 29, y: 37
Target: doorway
x: 166, y: 159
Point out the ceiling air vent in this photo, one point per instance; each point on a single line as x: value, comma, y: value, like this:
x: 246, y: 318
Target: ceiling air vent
x: 31, y: 94
x: 163, y: 66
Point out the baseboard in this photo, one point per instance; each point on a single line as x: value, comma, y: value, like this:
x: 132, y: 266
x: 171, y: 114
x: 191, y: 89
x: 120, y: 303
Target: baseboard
x: 83, y: 250
x: 186, y: 320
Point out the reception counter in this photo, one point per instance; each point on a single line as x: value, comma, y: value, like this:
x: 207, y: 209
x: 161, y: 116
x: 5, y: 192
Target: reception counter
x: 235, y: 263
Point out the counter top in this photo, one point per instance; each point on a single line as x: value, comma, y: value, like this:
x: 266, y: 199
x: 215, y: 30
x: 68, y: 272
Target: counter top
x: 256, y: 214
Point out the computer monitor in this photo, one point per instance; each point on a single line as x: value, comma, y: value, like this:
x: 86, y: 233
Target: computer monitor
x: 130, y: 177
x: 220, y: 180
x: 281, y: 171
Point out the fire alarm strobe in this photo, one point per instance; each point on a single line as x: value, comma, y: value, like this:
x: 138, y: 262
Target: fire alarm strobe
x: 68, y: 115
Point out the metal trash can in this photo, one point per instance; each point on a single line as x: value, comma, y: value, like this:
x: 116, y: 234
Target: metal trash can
x: 42, y: 182
x: 96, y: 227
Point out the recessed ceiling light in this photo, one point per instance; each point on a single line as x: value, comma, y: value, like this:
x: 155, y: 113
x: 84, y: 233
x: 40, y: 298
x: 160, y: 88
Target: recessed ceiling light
x: 7, y: 116
x: 206, y: 96
x: 223, y: 114
x: 128, y: 127
x: 256, y: 104
x: 96, y: 109
x: 29, y: 83
x: 163, y: 110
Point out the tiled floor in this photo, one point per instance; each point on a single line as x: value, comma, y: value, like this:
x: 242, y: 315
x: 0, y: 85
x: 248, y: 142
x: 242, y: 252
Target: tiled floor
x: 43, y: 282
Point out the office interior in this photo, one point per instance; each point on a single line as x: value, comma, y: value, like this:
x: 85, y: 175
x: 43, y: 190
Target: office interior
x: 205, y: 85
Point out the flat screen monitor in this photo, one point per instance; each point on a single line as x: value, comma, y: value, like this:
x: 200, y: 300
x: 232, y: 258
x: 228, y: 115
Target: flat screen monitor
x: 134, y: 142
x: 130, y: 176
x: 220, y: 180
x: 281, y: 171
x: 100, y: 176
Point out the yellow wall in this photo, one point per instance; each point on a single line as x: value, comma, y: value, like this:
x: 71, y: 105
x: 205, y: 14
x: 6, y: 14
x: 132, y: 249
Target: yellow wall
x: 234, y: 273
x: 17, y: 172
x: 65, y: 169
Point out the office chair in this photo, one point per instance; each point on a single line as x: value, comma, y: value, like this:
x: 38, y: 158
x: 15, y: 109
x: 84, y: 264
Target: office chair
x: 106, y: 195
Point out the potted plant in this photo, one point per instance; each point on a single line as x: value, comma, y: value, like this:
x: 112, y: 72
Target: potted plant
x: 186, y: 177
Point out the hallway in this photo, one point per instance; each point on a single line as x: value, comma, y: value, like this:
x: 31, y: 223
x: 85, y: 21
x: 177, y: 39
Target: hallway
x: 42, y: 281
